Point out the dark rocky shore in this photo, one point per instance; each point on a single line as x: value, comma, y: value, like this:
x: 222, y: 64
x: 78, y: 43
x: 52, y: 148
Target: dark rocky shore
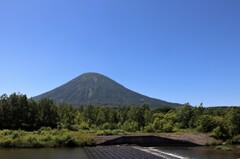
x: 156, y: 140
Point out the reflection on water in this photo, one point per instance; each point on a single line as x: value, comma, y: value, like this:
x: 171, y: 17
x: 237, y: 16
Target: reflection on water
x: 200, y: 152
x: 79, y: 153
x: 54, y: 153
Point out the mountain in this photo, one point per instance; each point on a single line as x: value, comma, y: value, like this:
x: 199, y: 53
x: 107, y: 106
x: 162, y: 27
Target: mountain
x: 99, y: 90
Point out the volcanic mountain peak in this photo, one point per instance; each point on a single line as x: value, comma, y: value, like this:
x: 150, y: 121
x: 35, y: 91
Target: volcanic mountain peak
x: 98, y: 90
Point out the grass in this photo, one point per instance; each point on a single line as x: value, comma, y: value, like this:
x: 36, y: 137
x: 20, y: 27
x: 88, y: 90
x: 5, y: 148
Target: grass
x: 214, y: 143
x: 47, y: 137
x: 44, y: 138
x: 224, y: 148
x: 111, y: 132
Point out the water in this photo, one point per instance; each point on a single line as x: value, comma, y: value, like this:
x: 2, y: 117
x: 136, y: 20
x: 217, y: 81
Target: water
x: 199, y: 152
x: 48, y: 153
x: 80, y: 153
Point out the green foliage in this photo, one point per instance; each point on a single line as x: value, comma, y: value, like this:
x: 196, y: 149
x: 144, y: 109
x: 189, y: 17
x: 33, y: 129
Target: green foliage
x: 149, y: 128
x: 108, y: 126
x: 66, y: 114
x: 44, y: 137
x: 224, y: 148
x: 220, y: 133
x: 205, y: 123
x: 214, y: 143
x: 44, y: 116
x: 158, y: 124
x: 236, y: 140
x: 162, y: 125
x: 233, y: 122
x: 84, y: 126
x: 111, y: 132
x: 47, y: 113
x: 130, y: 126
x: 167, y: 127
x: 184, y: 115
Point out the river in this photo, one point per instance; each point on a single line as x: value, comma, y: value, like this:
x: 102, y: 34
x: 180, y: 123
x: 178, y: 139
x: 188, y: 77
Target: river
x: 80, y: 153
x: 199, y: 152
x: 45, y: 153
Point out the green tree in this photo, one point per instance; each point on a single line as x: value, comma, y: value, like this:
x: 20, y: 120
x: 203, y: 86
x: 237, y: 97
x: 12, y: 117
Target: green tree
x: 158, y: 124
x: 233, y: 121
x: 122, y: 114
x: 137, y: 115
x: 67, y: 114
x: 196, y: 112
x: 102, y: 116
x: 31, y: 118
x: 113, y: 117
x: 131, y: 126
x: 90, y: 115
x: 47, y: 113
x: 205, y: 123
x: 184, y: 115
x: 147, y: 117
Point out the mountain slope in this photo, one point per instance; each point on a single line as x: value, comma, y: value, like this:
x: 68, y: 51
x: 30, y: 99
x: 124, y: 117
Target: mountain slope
x: 98, y: 90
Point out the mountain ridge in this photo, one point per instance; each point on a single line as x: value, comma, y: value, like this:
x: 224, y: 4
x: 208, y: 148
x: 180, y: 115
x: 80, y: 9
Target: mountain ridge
x: 99, y: 90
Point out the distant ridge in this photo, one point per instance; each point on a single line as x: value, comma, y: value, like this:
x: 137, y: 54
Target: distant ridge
x: 99, y: 90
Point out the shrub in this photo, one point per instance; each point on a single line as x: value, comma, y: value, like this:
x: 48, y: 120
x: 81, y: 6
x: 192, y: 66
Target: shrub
x: 104, y: 132
x: 6, y: 132
x: 205, y: 123
x: 118, y: 132
x: 220, y: 133
x: 149, y: 128
x: 16, y: 134
x: 236, y: 139
x: 110, y: 132
x: 7, y: 142
x: 70, y: 142
x: 84, y: 126
x: 130, y: 126
x: 44, y: 138
x: 108, y: 126
x: 224, y: 148
x: 167, y: 127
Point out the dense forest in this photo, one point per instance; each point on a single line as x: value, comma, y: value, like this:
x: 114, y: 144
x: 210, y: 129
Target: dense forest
x: 19, y: 112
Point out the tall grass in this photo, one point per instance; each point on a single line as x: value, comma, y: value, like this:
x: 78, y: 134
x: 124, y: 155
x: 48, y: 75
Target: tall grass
x: 44, y: 138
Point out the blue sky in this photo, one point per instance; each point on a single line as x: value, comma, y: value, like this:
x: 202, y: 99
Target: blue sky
x: 175, y: 50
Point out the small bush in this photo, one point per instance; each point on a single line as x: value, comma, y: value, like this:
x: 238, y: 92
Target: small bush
x: 111, y: 132
x: 130, y: 126
x: 7, y: 142
x: 149, y: 128
x: 108, y: 126
x: 84, y: 126
x: 119, y: 132
x: 70, y: 142
x: 236, y: 140
x: 16, y: 134
x: 205, y: 123
x: 224, y: 148
x: 219, y: 133
x: 167, y: 127
x: 6, y: 132
x: 44, y: 138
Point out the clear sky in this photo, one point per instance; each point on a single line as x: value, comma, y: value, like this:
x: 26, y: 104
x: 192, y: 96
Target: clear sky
x: 175, y: 50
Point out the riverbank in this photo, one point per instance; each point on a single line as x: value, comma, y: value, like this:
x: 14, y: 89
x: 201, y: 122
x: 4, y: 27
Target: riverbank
x: 166, y: 139
x: 47, y: 137
x: 44, y: 138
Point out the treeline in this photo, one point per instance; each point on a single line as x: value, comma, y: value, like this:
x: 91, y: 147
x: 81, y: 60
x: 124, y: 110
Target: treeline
x: 19, y: 112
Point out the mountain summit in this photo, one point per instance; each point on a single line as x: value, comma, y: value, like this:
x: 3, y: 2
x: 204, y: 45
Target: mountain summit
x: 99, y: 90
